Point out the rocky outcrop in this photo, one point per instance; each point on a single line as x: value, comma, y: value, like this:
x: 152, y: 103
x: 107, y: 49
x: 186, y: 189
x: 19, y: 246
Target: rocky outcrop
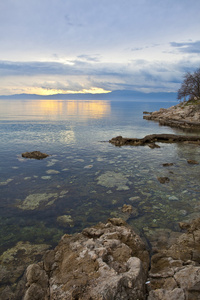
x: 175, y: 270
x: 35, y: 154
x: 152, y: 138
x: 183, y: 115
x: 108, y: 261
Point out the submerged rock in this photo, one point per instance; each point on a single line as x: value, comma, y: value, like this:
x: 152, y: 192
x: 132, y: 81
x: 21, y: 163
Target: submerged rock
x: 65, y: 221
x: 192, y: 162
x: 6, y: 181
x: 167, y: 164
x: 163, y: 179
x: 34, y: 201
x: 108, y: 261
x: 35, y: 154
x: 113, y: 179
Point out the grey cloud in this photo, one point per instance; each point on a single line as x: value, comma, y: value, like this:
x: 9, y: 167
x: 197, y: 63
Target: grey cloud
x: 136, y: 74
x: 89, y: 58
x: 189, y: 47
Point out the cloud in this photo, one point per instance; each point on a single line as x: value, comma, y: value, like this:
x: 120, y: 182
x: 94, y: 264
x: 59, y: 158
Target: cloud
x: 187, y: 47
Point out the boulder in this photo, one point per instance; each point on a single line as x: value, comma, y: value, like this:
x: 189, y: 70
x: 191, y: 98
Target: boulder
x: 108, y: 261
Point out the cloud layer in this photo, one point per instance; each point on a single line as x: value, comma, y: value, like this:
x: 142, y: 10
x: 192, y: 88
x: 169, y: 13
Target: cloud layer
x: 69, y: 45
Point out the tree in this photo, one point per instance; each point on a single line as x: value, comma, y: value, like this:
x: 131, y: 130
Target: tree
x: 190, y: 88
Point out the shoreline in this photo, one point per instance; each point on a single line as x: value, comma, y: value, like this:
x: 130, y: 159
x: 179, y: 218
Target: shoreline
x: 184, y: 115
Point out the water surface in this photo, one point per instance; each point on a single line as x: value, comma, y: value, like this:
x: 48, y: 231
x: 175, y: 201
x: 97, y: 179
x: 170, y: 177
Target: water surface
x: 85, y: 179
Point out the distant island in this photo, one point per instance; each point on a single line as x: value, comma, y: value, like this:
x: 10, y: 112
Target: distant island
x: 114, y: 95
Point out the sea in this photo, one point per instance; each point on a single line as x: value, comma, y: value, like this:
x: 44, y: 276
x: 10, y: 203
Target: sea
x: 85, y: 179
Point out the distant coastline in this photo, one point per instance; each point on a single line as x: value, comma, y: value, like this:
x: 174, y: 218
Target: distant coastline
x: 114, y: 95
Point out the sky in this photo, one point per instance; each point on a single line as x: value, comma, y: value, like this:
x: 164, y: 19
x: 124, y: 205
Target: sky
x: 80, y: 46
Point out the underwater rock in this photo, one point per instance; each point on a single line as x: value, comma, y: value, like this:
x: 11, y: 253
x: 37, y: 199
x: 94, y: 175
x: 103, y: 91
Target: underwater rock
x: 88, y: 167
x: 34, y: 201
x: 65, y: 221
x: 106, y: 261
x: 45, y: 177
x: 127, y: 208
x: 135, y: 199
x: 163, y: 179
x: 35, y: 154
x: 192, y: 162
x: 52, y: 172
x: 130, y: 210
x: 6, y: 182
x: 173, y: 198
x: 167, y: 164
x: 112, y: 179
x: 13, y: 263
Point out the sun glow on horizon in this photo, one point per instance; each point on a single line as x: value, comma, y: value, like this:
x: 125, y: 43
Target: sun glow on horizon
x: 48, y: 92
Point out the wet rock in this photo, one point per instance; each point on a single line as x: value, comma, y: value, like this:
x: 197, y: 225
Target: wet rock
x: 35, y: 154
x: 163, y: 179
x: 108, y: 261
x: 192, y: 162
x: 152, y: 138
x: 153, y: 146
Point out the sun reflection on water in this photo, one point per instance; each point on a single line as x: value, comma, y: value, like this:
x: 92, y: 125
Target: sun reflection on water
x: 37, y: 109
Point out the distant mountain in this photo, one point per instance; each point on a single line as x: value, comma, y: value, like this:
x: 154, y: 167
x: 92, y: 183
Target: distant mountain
x: 115, y: 95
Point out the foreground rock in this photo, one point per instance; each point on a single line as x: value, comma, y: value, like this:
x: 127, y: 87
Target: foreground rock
x: 108, y: 261
x: 182, y: 115
x: 13, y: 263
x: 152, y: 138
x: 175, y: 270
x: 35, y: 154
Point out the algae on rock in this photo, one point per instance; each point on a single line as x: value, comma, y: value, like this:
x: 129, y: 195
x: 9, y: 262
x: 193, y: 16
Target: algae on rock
x: 34, y: 201
x: 113, y: 179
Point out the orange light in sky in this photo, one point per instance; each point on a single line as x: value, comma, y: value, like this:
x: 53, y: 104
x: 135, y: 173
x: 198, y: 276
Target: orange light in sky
x: 48, y: 92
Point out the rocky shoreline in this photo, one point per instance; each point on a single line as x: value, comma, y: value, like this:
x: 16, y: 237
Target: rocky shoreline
x: 182, y: 115
x: 109, y: 261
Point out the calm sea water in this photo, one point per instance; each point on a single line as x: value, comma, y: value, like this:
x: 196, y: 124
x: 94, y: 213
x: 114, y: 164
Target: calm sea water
x: 85, y: 179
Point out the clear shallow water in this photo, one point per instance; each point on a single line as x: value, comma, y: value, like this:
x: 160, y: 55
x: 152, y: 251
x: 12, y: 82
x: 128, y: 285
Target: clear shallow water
x: 86, y: 179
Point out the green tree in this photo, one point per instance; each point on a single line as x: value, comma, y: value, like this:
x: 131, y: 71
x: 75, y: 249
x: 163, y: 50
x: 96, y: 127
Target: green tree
x: 190, y: 88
